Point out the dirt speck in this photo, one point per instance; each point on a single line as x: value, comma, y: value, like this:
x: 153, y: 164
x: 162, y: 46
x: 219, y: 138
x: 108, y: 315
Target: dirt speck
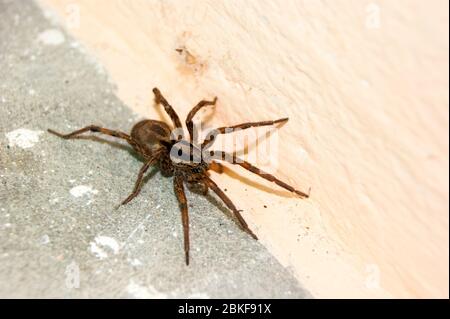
x: 190, y: 63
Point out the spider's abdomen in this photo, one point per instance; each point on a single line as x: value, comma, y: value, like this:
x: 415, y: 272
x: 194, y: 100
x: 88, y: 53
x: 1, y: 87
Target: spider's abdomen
x: 150, y: 134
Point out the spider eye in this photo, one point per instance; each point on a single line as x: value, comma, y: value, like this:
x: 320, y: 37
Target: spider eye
x: 184, y: 152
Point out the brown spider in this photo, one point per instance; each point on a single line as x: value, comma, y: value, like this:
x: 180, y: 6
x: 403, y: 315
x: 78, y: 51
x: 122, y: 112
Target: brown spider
x: 182, y: 159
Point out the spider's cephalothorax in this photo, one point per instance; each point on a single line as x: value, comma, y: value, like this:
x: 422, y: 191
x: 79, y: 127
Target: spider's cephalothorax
x: 176, y: 157
x: 179, y: 157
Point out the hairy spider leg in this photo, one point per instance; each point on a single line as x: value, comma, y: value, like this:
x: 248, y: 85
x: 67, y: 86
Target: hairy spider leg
x: 140, y: 179
x: 94, y: 128
x: 208, y: 142
x: 235, y: 160
x: 159, y: 98
x: 216, y: 167
x: 181, y: 196
x: 195, y: 109
x: 216, y: 189
x: 98, y: 129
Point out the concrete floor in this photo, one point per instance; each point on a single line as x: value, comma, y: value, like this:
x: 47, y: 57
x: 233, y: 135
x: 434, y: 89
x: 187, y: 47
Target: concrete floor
x: 60, y: 235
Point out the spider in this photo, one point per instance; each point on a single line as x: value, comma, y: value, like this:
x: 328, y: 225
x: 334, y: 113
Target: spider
x: 183, y: 159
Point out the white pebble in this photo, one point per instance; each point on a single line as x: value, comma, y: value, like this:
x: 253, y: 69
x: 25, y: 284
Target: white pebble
x: 82, y: 190
x: 45, y: 240
x: 135, y: 262
x: 23, y: 138
x: 109, y: 242
x: 97, y: 251
x: 51, y: 37
x: 100, y: 242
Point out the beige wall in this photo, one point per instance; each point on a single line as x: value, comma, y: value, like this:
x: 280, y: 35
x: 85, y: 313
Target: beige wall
x: 365, y: 84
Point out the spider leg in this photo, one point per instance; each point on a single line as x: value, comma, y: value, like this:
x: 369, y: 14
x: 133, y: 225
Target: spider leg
x: 139, y: 180
x: 235, y: 160
x: 216, y: 167
x: 198, y: 187
x: 181, y: 196
x: 159, y: 98
x: 94, y: 128
x: 230, y: 129
x: 195, y: 109
x: 230, y: 205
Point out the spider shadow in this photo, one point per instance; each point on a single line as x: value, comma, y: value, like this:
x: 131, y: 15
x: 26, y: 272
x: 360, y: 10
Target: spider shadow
x: 260, y: 138
x: 265, y: 188
x: 212, y: 199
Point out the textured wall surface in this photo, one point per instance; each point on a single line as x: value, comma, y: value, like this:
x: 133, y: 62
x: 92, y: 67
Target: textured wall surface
x: 365, y: 85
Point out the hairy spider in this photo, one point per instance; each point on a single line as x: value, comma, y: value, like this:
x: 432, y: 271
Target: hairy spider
x: 183, y: 159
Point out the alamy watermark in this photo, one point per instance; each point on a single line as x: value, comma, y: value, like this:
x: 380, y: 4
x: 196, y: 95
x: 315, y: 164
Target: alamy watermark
x: 72, y: 272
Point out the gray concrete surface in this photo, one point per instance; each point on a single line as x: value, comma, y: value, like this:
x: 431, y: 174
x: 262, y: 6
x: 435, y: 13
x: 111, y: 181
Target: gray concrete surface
x: 55, y: 244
